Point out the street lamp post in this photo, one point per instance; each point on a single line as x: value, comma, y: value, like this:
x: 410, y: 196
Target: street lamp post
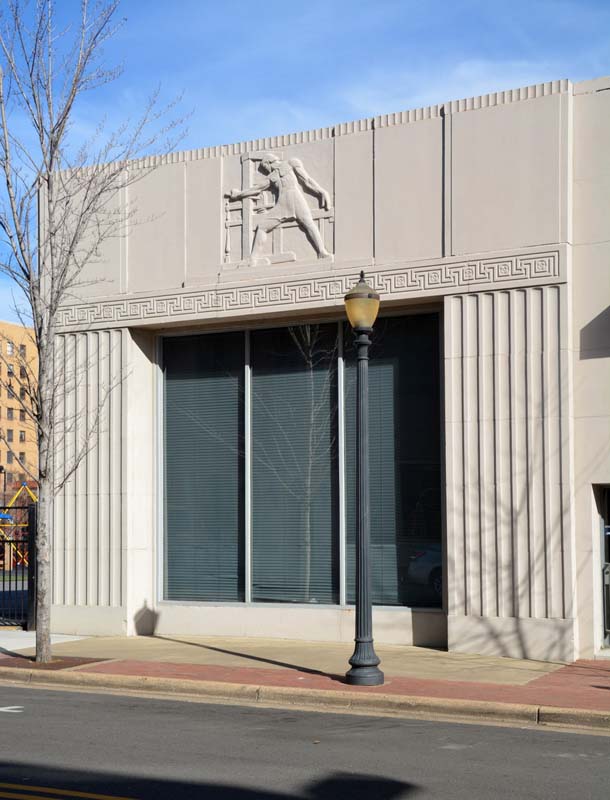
x: 361, y: 306
x: 3, y: 473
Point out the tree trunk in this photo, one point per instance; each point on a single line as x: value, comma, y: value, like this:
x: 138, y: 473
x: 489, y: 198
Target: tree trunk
x: 43, y: 572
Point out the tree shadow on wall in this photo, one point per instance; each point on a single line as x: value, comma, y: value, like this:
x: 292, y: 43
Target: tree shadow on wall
x: 508, y: 539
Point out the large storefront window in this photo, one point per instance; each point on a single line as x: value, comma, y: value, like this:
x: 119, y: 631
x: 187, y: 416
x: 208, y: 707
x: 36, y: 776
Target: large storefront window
x: 253, y: 474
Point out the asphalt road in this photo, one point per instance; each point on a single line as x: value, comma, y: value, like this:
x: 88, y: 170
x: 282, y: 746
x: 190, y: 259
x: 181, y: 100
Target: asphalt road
x: 64, y: 744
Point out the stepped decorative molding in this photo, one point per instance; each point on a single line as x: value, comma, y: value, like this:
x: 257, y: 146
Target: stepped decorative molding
x: 366, y: 124
x: 321, y: 290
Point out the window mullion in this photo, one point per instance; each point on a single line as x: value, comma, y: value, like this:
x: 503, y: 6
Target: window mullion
x: 248, y: 469
x: 341, y: 461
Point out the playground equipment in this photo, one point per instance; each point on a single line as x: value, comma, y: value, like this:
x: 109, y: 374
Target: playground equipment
x: 12, y: 531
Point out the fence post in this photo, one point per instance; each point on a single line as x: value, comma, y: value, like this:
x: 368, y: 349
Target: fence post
x: 30, y: 624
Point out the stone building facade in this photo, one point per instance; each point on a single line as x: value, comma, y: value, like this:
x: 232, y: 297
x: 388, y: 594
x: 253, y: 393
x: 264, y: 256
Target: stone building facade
x: 217, y: 499
x: 19, y: 443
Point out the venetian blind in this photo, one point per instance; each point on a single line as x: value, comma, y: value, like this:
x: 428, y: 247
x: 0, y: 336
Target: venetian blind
x: 404, y: 442
x: 204, y: 490
x: 294, y: 465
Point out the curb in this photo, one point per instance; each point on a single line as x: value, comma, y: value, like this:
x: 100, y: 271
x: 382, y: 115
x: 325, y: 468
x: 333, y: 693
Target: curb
x: 320, y: 699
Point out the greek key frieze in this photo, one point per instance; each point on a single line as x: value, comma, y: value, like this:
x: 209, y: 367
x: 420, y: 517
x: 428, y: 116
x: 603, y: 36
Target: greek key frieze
x: 392, y: 283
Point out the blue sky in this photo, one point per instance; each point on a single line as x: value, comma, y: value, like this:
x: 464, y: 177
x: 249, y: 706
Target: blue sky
x: 250, y: 70
x: 247, y: 70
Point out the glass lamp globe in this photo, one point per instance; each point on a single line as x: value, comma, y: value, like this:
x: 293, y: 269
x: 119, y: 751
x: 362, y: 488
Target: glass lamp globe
x: 361, y: 305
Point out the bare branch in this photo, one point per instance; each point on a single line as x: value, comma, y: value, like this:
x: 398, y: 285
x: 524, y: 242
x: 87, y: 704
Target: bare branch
x: 58, y: 206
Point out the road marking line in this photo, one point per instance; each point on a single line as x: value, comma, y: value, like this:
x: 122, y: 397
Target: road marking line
x: 13, y: 796
x: 49, y: 790
x: 11, y: 709
x: 21, y: 796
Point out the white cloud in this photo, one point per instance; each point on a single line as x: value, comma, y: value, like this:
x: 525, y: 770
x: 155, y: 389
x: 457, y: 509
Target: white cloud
x: 386, y: 91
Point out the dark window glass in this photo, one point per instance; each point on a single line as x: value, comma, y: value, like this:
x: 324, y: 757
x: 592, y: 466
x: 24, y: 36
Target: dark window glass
x: 204, y: 489
x: 295, y: 522
x: 405, y: 469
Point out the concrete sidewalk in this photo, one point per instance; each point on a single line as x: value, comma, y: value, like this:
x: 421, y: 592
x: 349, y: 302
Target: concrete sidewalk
x: 310, y: 674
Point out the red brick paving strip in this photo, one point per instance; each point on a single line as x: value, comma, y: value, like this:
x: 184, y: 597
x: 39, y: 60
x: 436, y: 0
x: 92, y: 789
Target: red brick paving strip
x: 25, y: 662
x: 584, y: 684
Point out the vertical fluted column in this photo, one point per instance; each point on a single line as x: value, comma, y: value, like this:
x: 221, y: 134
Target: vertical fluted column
x: 364, y: 661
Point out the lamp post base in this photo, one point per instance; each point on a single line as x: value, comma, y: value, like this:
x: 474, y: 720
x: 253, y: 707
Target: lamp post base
x: 364, y: 661
x: 364, y: 676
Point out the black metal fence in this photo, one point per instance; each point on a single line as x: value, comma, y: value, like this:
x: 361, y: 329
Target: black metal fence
x: 17, y: 566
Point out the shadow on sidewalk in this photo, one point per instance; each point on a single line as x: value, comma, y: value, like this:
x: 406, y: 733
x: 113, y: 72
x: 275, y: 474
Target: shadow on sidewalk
x: 273, y: 662
x: 14, y: 653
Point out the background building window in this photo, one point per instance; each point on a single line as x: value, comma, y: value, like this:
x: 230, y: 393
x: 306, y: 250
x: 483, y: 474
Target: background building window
x: 22, y: 350
x: 9, y: 457
x: 22, y: 457
x: 9, y: 434
x: 10, y: 349
x: 21, y: 415
x: 22, y: 393
x: 10, y: 413
x: 22, y: 436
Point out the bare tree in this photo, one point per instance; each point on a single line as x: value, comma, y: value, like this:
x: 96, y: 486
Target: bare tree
x: 57, y: 208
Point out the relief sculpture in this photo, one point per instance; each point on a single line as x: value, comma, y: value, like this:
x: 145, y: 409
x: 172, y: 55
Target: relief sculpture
x: 281, y: 202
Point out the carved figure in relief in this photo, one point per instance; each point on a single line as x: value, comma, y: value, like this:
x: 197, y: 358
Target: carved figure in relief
x: 285, y: 179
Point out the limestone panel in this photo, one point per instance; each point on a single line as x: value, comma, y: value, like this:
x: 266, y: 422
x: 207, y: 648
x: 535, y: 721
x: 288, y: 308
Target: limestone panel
x: 354, y: 196
x: 102, y: 273
x: 155, y: 244
x: 408, y: 191
x: 592, y: 167
x: 505, y: 182
x: 88, y: 539
x: 204, y: 227
x: 535, y: 639
x: 103, y: 548
x: 508, y: 515
x: 590, y: 287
